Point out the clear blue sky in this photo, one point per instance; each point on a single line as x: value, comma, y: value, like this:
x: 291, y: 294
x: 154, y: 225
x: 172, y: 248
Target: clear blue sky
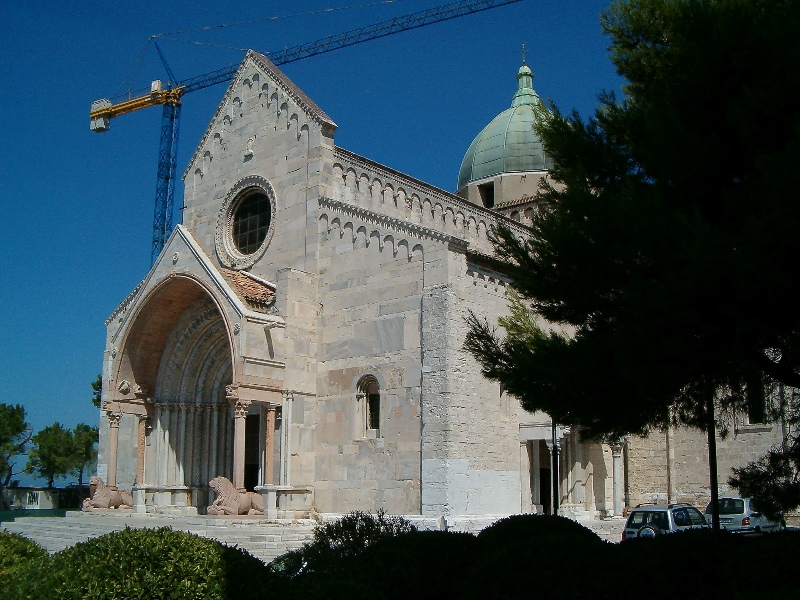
x: 77, y: 206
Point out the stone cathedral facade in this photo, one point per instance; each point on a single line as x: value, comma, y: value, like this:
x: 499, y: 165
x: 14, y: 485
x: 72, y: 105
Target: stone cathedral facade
x: 301, y: 333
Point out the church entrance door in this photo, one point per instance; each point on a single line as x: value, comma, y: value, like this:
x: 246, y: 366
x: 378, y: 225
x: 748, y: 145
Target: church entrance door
x: 252, y: 451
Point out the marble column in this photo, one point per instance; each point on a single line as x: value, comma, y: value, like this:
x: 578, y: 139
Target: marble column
x: 214, y: 434
x: 554, y: 487
x: 180, y: 450
x: 526, y: 499
x: 536, y: 480
x: 671, y: 495
x: 269, y: 462
x: 616, y: 458
x: 141, y: 440
x: 286, y: 441
x: 240, y: 415
x: 113, y: 447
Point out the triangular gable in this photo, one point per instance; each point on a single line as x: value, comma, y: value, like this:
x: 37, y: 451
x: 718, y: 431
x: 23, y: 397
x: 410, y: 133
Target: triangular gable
x: 255, y: 62
x: 249, y: 297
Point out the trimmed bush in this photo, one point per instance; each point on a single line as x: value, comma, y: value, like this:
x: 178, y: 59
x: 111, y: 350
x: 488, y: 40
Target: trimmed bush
x: 413, y: 564
x: 521, y: 528
x: 145, y: 563
x: 552, y: 555
x: 16, y: 552
x: 339, y: 540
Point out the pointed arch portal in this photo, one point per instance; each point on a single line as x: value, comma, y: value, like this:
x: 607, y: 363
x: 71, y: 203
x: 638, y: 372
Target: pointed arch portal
x: 177, y: 359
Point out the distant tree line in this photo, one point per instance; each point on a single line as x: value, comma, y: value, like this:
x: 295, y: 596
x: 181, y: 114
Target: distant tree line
x: 53, y: 452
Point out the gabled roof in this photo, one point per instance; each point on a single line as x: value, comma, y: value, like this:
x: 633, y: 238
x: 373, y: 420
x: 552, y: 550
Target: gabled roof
x: 306, y: 104
x: 255, y: 294
x: 295, y: 92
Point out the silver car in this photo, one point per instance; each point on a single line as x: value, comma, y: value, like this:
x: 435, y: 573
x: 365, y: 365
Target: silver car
x: 650, y: 520
x: 742, y: 515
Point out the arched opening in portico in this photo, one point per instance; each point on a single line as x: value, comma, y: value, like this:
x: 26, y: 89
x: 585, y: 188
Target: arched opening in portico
x: 178, y: 353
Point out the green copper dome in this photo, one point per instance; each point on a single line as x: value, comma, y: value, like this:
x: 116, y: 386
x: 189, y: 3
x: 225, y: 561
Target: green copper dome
x: 508, y: 144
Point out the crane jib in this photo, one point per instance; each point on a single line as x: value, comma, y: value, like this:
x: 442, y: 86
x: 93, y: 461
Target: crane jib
x: 103, y: 110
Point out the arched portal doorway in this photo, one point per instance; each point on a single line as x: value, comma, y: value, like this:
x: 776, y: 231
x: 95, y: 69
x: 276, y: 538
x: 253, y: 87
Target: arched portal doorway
x: 178, y: 349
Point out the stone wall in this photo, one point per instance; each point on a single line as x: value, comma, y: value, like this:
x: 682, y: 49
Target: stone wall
x: 646, y: 462
x: 370, y: 287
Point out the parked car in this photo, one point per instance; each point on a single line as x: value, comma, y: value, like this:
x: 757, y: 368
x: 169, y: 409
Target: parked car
x: 742, y: 515
x: 650, y: 520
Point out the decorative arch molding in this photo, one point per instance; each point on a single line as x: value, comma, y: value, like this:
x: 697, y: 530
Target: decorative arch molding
x: 365, y: 375
x: 386, y: 222
x: 153, y: 319
x: 362, y: 237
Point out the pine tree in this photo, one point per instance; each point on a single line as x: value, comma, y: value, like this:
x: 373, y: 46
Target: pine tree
x: 660, y: 280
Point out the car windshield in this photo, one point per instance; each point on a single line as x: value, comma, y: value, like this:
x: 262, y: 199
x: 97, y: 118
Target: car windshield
x: 648, y: 517
x: 729, y: 506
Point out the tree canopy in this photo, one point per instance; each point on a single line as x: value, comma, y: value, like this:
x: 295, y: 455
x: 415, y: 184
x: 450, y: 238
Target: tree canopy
x: 15, y: 433
x: 97, y: 391
x: 661, y: 266
x: 58, y: 451
x: 84, y: 439
x: 52, y: 453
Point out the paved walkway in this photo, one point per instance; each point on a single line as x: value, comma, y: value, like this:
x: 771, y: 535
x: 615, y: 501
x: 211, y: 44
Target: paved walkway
x: 265, y: 540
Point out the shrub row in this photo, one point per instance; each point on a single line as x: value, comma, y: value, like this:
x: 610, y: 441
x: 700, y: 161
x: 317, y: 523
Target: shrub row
x: 380, y: 557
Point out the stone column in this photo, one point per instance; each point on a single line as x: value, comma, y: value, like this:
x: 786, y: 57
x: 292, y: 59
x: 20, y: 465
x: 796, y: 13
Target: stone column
x: 269, y: 462
x: 113, y: 443
x: 240, y: 415
x: 670, y: 466
x: 616, y: 457
x: 286, y: 425
x: 215, y: 436
x: 141, y: 441
x: 536, y: 466
x: 180, y: 447
x: 555, y: 489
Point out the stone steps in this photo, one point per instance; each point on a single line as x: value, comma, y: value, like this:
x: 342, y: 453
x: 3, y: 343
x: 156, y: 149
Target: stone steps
x: 263, y: 540
x: 608, y: 529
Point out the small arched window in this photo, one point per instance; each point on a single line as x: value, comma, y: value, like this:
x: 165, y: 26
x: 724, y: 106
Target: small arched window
x: 369, y: 395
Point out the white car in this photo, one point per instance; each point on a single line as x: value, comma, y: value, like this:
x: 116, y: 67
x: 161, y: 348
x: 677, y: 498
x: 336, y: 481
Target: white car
x: 741, y: 514
x: 651, y: 520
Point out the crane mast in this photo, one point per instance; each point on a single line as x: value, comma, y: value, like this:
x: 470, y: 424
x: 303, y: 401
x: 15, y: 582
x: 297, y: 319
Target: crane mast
x: 103, y: 110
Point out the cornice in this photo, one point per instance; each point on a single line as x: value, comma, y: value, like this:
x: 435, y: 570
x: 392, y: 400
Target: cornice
x: 426, y: 189
x: 399, y: 225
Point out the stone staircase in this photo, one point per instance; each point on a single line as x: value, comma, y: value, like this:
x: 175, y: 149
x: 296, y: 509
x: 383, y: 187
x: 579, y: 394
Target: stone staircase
x: 264, y: 540
x: 609, y: 529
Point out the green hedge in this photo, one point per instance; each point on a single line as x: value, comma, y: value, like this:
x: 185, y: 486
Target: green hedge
x: 377, y: 557
x: 143, y: 563
x: 16, y: 552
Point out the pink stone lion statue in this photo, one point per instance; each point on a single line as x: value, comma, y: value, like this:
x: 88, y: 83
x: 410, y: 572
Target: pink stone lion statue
x: 105, y: 497
x: 230, y: 501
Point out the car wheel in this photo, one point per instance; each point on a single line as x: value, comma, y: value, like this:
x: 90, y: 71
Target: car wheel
x: 648, y: 531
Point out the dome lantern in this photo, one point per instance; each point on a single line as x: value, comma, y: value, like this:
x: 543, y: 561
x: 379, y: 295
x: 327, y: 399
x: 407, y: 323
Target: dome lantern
x: 508, y: 144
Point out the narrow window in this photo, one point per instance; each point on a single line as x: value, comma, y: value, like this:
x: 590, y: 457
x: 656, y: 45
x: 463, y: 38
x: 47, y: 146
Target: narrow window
x: 369, y: 394
x: 756, y: 402
x: 486, y: 192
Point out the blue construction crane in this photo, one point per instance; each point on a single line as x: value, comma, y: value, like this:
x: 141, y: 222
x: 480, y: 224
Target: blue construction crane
x: 102, y: 111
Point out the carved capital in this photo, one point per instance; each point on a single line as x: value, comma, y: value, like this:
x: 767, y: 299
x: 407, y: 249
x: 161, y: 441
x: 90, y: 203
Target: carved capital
x: 232, y: 393
x: 114, y: 418
x: 240, y: 408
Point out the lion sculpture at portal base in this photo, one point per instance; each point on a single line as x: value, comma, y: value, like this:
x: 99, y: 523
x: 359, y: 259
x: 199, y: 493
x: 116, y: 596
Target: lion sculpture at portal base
x: 105, y: 497
x: 230, y: 501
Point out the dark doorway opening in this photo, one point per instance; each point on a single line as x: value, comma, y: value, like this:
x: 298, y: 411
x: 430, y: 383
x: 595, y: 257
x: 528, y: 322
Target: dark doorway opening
x: 252, y: 428
x: 545, y: 493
